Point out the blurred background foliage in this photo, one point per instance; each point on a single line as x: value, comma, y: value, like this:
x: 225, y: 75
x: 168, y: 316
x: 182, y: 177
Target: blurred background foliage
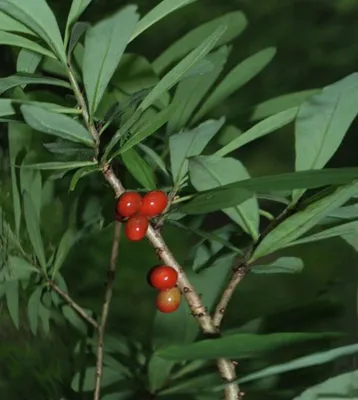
x: 317, y: 45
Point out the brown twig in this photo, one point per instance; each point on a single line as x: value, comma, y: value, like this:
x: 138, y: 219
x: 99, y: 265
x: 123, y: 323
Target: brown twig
x: 79, y: 310
x: 105, y: 308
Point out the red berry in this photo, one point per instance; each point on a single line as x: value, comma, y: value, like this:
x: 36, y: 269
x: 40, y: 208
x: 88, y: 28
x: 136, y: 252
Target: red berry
x: 129, y: 204
x: 154, y: 203
x: 168, y: 300
x: 136, y: 227
x: 163, y: 277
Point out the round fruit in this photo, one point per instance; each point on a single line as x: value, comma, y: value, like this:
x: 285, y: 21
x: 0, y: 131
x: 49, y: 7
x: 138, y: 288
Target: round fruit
x: 163, y: 277
x: 154, y: 203
x: 136, y: 227
x: 168, y: 300
x: 129, y: 204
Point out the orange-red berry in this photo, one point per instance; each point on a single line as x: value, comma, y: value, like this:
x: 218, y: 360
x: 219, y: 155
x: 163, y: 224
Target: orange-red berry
x: 136, y: 227
x: 163, y: 277
x: 168, y: 300
x: 154, y: 203
x: 129, y: 204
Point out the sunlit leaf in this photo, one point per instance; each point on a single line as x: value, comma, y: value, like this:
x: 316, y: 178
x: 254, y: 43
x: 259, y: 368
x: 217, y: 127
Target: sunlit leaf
x: 10, y: 24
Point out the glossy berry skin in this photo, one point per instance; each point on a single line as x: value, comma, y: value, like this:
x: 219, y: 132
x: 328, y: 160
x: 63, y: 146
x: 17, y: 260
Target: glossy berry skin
x: 168, y: 300
x: 136, y: 227
x: 163, y: 277
x: 129, y: 204
x: 154, y: 203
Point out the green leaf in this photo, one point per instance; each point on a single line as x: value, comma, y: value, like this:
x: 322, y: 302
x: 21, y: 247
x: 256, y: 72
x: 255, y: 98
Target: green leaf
x: 235, y: 21
x: 79, y: 28
x: 299, y: 223
x: 77, y: 8
x: 11, y: 39
x: 56, y: 124
x: 350, y: 228
x: 281, y: 103
x: 322, y: 122
x: 283, y: 265
x: 235, y: 193
x: 64, y: 248
x: 158, y: 13
x: 12, y: 300
x: 25, y: 79
x: 235, y: 79
x: 152, y: 155
x: 38, y: 16
x: 174, y: 75
x: 33, y: 307
x: 104, y: 45
x: 318, y: 358
x: 20, y: 268
x: 341, y: 387
x: 228, y: 134
x: 209, y: 172
x: 67, y: 165
x: 33, y: 229
x: 158, y: 372
x: 259, y: 130
x: 242, y: 345
x: 79, y: 174
x: 190, y: 143
x: 28, y: 61
x: 191, y: 91
x: 139, y: 168
x: 151, y: 126
x: 109, y: 376
x: 10, y: 24
x: 6, y: 107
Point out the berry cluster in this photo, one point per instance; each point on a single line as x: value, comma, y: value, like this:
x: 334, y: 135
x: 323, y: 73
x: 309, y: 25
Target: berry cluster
x: 138, y: 210
x: 164, y: 279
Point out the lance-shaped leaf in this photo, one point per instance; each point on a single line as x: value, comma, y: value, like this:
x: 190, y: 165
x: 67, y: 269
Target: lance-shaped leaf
x: 33, y: 308
x: 322, y: 122
x: 28, y: 61
x: 37, y: 15
x: 208, y: 172
x: 11, y: 39
x: 77, y: 8
x: 174, y: 75
x: 104, y: 45
x: 65, y: 165
x: 236, y: 78
x: 139, y: 168
x: 12, y: 300
x: 283, y: 265
x: 299, y: 223
x: 56, y: 124
x: 10, y: 24
x: 158, y: 13
x: 235, y: 21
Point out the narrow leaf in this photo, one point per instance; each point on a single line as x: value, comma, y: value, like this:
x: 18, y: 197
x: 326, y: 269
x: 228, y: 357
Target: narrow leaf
x: 322, y: 122
x: 283, y: 265
x: 139, y: 168
x: 33, y: 229
x: 281, y: 103
x: 157, y: 160
x: 158, y: 13
x: 64, y: 248
x: 235, y: 21
x: 38, y: 16
x: 56, y: 124
x: 12, y: 300
x: 79, y: 174
x: 67, y: 165
x: 20, y: 268
x: 33, y: 307
x: 77, y: 8
x: 28, y: 61
x: 79, y: 28
x: 104, y: 45
x: 299, y: 223
x: 259, y: 130
x: 242, y: 345
x: 174, y: 75
x: 150, y: 127
x: 209, y: 172
x: 10, y: 24
x: 235, y: 79
x: 190, y: 143
x: 109, y: 376
x: 25, y: 79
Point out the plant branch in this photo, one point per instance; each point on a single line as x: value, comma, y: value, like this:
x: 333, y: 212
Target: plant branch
x: 105, y: 308
x: 79, y: 310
